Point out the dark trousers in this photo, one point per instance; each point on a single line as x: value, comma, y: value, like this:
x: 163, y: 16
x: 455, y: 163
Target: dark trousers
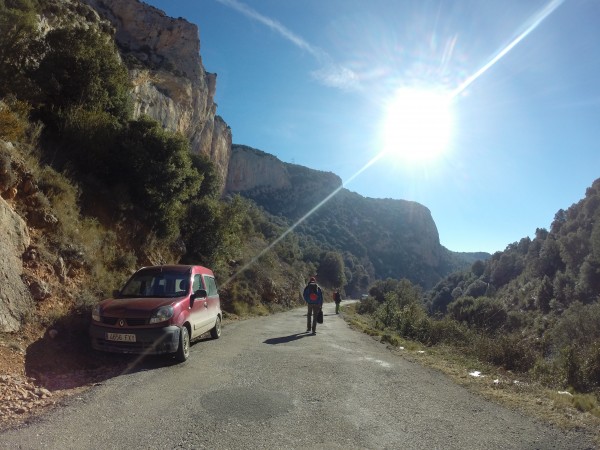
x: 312, y: 310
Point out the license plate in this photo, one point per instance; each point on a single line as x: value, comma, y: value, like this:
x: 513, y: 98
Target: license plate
x: 120, y: 337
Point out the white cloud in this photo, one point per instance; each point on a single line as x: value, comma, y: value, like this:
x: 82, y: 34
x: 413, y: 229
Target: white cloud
x: 337, y: 76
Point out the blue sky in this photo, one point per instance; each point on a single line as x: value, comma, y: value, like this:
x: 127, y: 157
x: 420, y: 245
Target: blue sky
x: 312, y: 81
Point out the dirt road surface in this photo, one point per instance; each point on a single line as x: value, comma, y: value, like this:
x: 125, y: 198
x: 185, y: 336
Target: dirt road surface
x: 267, y: 384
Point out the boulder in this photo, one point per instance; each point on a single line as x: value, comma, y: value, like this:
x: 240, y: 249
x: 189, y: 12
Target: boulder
x: 15, y: 299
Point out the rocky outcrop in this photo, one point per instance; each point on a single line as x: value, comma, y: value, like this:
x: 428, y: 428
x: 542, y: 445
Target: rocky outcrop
x: 15, y: 299
x: 409, y: 223
x: 250, y: 168
x: 170, y: 84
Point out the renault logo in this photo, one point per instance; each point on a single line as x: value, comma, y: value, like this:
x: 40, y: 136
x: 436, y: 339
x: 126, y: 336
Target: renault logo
x: 121, y: 323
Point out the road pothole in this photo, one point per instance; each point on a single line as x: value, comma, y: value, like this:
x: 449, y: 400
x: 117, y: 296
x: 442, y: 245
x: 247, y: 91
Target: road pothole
x: 246, y: 403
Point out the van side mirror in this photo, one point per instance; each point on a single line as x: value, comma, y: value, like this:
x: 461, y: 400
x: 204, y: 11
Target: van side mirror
x: 200, y: 293
x: 116, y: 293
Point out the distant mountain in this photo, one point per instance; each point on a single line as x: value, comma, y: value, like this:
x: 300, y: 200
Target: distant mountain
x: 397, y: 238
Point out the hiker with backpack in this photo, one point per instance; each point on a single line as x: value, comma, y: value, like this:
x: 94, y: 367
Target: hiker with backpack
x: 337, y: 298
x: 313, y: 296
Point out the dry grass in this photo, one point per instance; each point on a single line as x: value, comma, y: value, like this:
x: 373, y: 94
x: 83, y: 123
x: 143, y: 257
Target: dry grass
x: 565, y: 410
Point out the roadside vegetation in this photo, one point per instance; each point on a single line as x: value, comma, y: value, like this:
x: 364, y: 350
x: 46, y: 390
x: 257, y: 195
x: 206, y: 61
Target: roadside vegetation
x: 532, y: 311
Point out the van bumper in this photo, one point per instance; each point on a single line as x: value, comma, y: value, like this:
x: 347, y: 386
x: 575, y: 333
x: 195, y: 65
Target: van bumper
x: 149, y: 341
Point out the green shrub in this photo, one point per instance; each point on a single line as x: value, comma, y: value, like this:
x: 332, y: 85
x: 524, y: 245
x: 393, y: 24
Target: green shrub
x: 448, y: 331
x: 7, y: 175
x: 81, y: 68
x: 580, y: 367
x: 510, y: 351
x: 20, y: 45
x: 367, y: 306
x: 14, y: 120
x: 483, y: 313
x: 586, y: 403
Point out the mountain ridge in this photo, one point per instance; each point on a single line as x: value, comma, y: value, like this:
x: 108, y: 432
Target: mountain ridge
x: 379, y: 232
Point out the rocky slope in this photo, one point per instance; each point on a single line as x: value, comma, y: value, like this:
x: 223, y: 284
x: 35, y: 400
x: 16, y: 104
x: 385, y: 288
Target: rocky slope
x: 170, y: 83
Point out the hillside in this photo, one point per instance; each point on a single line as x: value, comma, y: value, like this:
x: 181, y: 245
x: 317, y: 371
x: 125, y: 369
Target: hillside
x: 533, y: 309
x: 387, y: 237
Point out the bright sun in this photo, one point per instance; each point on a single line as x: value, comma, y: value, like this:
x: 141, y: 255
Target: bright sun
x: 418, y: 125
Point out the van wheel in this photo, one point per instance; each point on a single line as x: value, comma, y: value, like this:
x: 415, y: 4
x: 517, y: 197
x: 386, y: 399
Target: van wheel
x: 215, y: 333
x: 183, y: 352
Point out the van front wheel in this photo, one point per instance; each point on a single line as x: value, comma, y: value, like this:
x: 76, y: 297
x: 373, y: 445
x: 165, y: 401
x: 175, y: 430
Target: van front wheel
x: 183, y: 352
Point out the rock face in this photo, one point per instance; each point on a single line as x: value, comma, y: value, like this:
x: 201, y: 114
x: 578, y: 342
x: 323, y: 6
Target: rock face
x: 170, y: 83
x: 250, y: 168
x: 15, y: 299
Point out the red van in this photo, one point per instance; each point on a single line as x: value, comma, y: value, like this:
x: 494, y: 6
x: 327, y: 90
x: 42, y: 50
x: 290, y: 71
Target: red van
x: 158, y: 311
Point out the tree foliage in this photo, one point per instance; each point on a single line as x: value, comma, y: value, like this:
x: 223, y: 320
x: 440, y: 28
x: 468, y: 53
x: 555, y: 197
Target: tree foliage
x: 213, y: 229
x: 331, y: 269
x: 81, y: 69
x: 20, y: 46
x: 156, y: 166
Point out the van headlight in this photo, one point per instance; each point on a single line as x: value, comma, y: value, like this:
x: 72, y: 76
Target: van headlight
x: 162, y: 314
x: 96, y: 314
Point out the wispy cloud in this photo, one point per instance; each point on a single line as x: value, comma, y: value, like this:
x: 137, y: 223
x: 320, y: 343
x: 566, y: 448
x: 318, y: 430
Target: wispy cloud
x: 330, y: 74
x: 337, y: 76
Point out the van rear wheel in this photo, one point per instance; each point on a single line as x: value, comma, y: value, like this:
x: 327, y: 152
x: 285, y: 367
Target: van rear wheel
x: 183, y: 351
x: 215, y: 333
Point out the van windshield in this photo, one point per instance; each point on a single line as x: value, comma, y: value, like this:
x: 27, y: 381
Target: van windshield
x: 158, y: 284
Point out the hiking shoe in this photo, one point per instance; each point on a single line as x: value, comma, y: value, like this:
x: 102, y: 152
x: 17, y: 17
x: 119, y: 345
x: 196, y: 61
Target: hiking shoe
x: 313, y: 333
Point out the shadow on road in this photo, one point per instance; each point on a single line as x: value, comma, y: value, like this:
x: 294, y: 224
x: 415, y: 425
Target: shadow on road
x: 285, y: 339
x: 68, y: 361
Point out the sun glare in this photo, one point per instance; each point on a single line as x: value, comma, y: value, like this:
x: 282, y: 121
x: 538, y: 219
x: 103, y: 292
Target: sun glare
x: 418, y: 125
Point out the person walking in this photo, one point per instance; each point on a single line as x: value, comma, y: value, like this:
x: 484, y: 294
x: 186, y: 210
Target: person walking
x: 313, y: 296
x: 337, y: 298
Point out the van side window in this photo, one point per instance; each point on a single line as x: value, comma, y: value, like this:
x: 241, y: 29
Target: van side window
x: 197, y: 283
x: 211, y: 286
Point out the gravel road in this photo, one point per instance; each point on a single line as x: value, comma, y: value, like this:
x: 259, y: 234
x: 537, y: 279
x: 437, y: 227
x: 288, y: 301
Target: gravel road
x: 266, y: 384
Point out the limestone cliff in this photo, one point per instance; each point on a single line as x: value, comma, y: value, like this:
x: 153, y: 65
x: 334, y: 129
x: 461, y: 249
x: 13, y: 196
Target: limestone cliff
x: 170, y: 83
x: 250, y: 168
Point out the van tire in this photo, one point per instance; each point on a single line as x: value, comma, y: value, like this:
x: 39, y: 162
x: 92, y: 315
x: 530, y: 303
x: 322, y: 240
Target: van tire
x: 215, y: 332
x: 183, y: 351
